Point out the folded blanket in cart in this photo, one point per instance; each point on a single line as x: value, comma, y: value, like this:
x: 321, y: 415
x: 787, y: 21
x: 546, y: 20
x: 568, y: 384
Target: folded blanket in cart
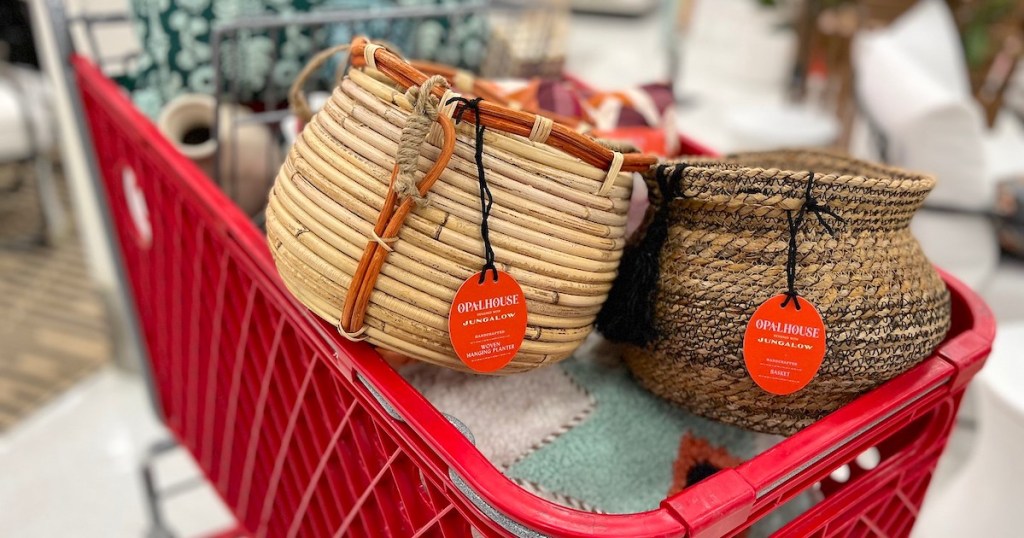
x: 585, y: 435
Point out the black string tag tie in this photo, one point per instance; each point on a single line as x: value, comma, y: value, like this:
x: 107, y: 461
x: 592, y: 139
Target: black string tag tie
x: 486, y: 199
x: 820, y: 211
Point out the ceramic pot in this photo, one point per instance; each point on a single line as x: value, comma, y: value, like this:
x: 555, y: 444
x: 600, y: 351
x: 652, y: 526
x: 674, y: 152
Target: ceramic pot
x: 250, y: 154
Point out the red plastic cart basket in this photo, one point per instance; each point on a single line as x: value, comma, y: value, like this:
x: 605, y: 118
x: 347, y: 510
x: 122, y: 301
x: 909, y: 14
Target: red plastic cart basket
x: 306, y: 434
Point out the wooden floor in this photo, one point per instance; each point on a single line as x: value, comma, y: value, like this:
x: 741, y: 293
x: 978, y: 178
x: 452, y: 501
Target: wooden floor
x: 53, y: 325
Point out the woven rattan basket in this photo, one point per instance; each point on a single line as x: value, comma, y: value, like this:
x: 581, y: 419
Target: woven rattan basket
x: 349, y: 206
x: 719, y: 231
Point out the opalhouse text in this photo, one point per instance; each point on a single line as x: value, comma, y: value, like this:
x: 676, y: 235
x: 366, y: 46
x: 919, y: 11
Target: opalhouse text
x: 787, y: 328
x: 487, y: 304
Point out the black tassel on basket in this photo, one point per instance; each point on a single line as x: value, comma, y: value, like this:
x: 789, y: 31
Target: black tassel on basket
x: 628, y: 314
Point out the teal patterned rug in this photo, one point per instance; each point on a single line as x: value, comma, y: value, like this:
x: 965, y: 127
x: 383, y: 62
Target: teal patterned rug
x: 584, y: 434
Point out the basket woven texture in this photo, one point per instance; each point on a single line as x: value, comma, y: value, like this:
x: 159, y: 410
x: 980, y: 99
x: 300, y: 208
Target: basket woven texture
x: 374, y: 219
x: 884, y: 306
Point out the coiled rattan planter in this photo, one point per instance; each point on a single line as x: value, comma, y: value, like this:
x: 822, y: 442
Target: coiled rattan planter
x: 725, y: 252
x: 557, y: 223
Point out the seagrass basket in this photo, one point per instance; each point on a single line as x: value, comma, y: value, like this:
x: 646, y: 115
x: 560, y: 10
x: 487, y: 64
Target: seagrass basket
x: 374, y: 220
x: 715, y: 246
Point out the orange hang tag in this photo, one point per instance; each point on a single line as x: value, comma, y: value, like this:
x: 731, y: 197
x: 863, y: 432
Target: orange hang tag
x: 784, y: 345
x: 487, y: 321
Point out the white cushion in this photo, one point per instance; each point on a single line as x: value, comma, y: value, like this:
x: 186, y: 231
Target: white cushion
x: 912, y: 81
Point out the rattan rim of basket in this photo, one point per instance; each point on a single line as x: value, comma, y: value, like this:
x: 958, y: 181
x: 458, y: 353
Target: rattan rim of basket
x: 392, y: 105
x: 492, y: 115
x: 796, y: 159
x: 467, y: 82
x: 733, y: 172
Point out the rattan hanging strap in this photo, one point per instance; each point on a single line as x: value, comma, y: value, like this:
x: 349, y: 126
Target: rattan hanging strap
x: 403, y: 192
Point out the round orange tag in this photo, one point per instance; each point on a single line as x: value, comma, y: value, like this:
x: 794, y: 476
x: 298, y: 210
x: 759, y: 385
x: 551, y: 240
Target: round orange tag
x: 784, y: 345
x: 487, y: 321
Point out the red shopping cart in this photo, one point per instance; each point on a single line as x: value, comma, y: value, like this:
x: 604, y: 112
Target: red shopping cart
x: 306, y: 434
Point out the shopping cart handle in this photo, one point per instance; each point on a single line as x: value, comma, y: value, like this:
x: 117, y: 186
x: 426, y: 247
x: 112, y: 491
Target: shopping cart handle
x: 714, y: 515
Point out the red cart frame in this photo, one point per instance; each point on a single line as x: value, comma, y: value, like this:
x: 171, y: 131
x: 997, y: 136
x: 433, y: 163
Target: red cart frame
x: 304, y: 433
